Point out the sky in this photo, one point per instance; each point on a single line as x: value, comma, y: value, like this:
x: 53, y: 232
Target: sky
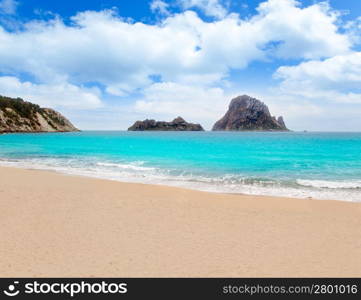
x: 105, y: 64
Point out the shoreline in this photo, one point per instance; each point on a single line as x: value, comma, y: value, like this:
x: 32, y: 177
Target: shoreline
x: 54, y: 171
x: 279, y: 166
x: 80, y: 173
x: 66, y: 226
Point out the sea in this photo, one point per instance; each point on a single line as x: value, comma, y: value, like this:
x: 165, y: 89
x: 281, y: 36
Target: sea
x: 321, y: 165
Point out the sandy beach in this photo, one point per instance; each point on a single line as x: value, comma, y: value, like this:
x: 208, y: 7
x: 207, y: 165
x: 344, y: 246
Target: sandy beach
x: 54, y: 225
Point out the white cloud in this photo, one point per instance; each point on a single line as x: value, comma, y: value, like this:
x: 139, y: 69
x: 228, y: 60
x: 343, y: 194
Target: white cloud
x: 122, y: 56
x: 309, y: 32
x: 63, y: 95
x: 336, y: 79
x: 167, y: 100
x: 159, y: 6
x: 328, y: 92
x: 191, y: 57
x: 213, y: 8
x: 341, y: 70
x: 8, y: 7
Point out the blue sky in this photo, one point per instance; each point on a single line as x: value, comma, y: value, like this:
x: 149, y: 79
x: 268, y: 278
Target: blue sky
x: 140, y: 10
x: 105, y: 64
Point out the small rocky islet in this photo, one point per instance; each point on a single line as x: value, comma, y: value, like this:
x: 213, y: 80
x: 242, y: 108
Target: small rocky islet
x: 249, y: 114
x: 178, y: 124
x: 244, y: 114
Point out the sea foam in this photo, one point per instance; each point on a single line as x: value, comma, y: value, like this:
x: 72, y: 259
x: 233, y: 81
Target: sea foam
x: 136, y: 172
x: 291, y: 164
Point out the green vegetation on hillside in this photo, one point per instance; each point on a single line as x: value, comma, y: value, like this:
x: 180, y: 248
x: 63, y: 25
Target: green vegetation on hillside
x: 23, y: 108
x: 17, y: 115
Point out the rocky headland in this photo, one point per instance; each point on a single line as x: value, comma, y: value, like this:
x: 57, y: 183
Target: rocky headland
x: 17, y: 115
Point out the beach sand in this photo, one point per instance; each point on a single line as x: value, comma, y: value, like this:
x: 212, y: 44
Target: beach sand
x: 54, y: 225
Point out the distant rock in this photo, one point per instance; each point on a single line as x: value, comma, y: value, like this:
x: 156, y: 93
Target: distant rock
x: 178, y: 124
x: 17, y: 115
x: 249, y: 114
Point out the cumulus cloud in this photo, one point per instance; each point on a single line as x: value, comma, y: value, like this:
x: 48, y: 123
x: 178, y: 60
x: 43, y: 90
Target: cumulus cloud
x: 335, y: 79
x: 102, y: 47
x: 194, y: 103
x: 182, y: 63
x: 212, y: 8
x: 8, y: 7
x: 51, y: 95
x: 309, y: 32
x: 327, y: 90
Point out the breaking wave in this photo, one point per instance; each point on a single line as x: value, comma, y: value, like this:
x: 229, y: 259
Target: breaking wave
x: 142, y: 172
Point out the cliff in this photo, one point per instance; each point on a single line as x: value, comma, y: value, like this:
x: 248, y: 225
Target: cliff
x: 249, y: 114
x: 178, y: 124
x: 17, y: 115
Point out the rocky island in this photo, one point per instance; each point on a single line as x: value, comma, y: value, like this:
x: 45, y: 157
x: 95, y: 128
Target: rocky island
x: 178, y: 124
x: 249, y: 114
x: 17, y: 115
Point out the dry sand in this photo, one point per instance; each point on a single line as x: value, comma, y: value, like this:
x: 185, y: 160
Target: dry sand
x: 65, y: 226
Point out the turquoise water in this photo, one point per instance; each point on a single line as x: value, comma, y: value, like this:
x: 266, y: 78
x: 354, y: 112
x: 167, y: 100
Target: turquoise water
x: 320, y: 165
